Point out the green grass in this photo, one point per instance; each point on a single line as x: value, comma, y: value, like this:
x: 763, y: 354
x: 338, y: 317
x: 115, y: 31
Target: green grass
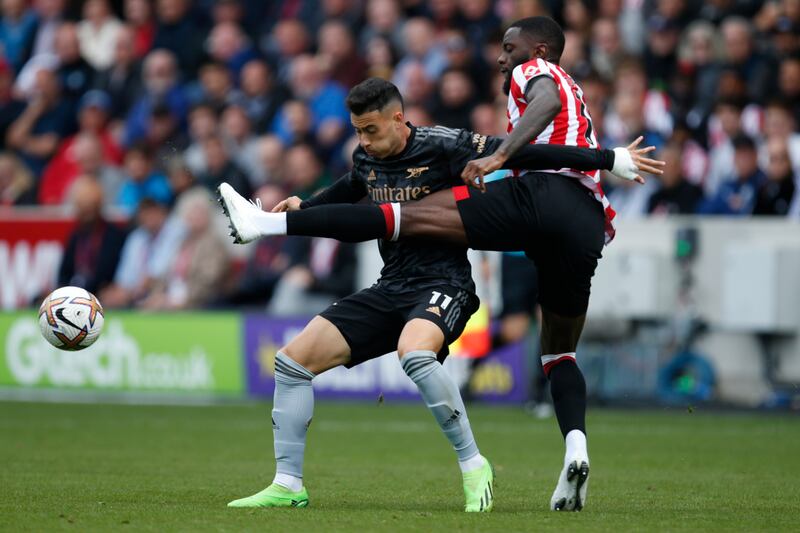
x: 370, y: 468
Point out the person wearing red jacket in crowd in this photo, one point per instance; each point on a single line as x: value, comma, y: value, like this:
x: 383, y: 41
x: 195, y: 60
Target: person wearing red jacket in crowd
x: 65, y: 167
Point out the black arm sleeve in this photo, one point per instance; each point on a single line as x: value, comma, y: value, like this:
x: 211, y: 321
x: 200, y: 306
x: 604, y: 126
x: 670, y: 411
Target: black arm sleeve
x: 345, y: 190
x: 470, y: 145
x: 553, y: 156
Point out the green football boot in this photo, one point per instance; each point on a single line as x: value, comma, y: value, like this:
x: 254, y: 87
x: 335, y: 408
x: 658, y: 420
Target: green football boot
x: 274, y: 496
x: 479, y: 489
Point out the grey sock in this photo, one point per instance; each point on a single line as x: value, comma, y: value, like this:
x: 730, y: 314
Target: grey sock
x: 293, y: 407
x: 443, y: 399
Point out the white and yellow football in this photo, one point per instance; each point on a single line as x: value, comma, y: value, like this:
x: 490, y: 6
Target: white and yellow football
x: 71, y: 318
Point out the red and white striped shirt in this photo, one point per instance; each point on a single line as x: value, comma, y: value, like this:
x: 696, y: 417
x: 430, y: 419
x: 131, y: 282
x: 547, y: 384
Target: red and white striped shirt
x: 571, y: 127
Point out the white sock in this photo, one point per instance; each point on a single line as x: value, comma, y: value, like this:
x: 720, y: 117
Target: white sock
x: 473, y: 463
x: 576, y: 445
x: 397, y: 217
x: 294, y: 484
x: 269, y: 223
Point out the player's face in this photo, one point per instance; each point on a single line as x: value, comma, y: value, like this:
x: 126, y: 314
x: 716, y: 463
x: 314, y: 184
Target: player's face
x: 517, y: 49
x: 515, y: 52
x: 380, y: 132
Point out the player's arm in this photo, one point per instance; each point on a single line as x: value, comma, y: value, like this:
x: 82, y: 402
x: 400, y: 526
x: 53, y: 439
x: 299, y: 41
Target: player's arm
x: 345, y: 190
x: 554, y: 157
x: 625, y: 163
x: 544, y: 103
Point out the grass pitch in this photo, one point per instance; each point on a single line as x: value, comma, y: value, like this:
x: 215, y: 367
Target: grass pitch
x: 387, y: 468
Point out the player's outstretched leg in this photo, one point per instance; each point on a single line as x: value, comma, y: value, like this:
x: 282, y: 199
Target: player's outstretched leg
x: 442, y: 397
x: 435, y: 216
x: 559, y: 338
x: 345, y: 222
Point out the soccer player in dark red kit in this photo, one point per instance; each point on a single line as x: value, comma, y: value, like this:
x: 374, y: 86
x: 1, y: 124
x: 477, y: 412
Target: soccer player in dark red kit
x: 561, y: 220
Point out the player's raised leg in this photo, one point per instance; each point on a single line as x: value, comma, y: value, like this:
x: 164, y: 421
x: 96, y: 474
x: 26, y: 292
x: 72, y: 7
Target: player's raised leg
x: 419, y: 344
x: 319, y: 347
x: 434, y: 216
x: 344, y: 222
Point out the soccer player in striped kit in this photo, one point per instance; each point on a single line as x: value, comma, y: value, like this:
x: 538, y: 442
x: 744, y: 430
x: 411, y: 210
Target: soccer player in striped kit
x: 546, y: 106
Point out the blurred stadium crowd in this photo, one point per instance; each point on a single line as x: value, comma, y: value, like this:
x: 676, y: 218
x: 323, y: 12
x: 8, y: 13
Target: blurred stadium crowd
x: 146, y: 106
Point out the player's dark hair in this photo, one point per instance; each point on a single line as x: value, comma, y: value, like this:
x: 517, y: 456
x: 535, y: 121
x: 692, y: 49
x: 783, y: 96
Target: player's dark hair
x: 543, y: 29
x: 372, y: 94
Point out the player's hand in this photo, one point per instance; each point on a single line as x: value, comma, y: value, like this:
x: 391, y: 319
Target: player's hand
x: 290, y: 204
x: 631, y: 160
x: 476, y: 169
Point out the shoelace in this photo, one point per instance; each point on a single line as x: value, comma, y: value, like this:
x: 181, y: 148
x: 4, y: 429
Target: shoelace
x: 257, y: 203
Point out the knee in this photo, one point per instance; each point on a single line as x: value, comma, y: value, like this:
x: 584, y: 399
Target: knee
x: 402, y: 349
x: 420, y: 335
x: 299, y: 357
x: 408, y: 342
x: 289, y: 352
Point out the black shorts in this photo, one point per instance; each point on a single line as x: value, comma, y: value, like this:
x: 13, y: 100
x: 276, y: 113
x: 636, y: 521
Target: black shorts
x: 554, y: 219
x: 371, y: 320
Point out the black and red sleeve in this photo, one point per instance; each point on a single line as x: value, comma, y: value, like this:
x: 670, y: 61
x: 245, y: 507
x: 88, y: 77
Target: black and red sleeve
x: 345, y: 190
x: 554, y: 156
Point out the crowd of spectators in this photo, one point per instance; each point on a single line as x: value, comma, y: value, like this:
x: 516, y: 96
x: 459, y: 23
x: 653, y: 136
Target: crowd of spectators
x: 145, y: 106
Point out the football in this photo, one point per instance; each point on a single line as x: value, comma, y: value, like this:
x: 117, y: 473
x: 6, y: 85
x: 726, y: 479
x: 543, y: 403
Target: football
x: 71, y: 318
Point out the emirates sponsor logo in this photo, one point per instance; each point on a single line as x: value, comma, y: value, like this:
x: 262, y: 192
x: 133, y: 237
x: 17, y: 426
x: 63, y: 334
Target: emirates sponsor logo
x: 397, y: 194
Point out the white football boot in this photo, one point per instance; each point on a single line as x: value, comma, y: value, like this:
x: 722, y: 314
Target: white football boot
x: 570, y: 493
x: 240, y: 213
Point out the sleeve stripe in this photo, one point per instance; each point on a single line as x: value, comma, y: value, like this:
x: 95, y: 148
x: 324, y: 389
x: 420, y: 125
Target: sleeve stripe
x: 440, y: 131
x: 519, y: 80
